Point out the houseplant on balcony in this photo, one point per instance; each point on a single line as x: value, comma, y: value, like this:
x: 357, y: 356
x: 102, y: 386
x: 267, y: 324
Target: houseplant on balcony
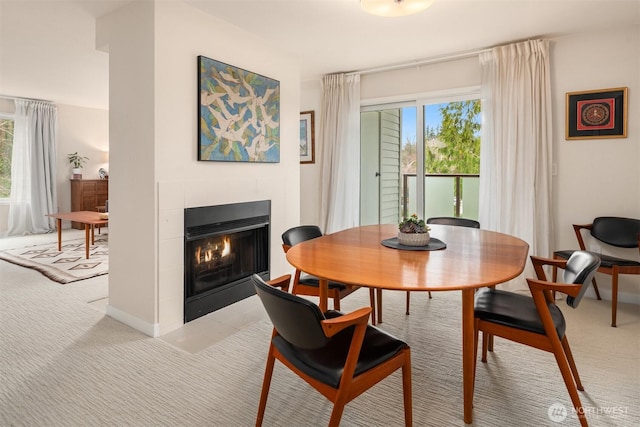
x: 77, y: 162
x: 413, y: 231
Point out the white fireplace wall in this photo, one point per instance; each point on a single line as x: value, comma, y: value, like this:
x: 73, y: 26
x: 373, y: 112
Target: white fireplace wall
x: 153, y: 50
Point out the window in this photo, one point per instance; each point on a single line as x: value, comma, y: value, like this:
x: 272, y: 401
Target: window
x: 6, y: 145
x: 447, y: 150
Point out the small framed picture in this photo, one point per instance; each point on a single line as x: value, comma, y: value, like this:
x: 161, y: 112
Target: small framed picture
x: 597, y: 114
x: 307, y: 138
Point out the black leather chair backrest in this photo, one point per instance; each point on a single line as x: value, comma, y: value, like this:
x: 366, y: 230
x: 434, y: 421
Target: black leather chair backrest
x: 450, y: 220
x: 581, y: 266
x: 295, y: 235
x: 615, y: 231
x: 296, y: 319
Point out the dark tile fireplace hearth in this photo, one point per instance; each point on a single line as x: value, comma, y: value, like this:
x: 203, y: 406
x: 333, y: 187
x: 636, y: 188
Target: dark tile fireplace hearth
x: 223, y: 246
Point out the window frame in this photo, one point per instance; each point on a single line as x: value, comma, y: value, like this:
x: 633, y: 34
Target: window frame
x: 7, y: 116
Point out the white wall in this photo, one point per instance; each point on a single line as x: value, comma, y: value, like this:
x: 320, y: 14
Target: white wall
x: 310, y: 183
x: 85, y: 130
x: 133, y: 251
x: 155, y: 172
x: 595, y: 177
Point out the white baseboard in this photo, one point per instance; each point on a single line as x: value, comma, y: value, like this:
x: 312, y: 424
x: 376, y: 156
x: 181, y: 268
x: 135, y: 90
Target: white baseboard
x: 150, y: 329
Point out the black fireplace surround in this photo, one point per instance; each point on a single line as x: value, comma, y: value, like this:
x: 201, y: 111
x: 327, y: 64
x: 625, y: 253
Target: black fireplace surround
x: 223, y: 246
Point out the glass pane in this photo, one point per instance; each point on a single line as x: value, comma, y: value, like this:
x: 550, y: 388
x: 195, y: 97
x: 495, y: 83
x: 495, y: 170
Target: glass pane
x: 439, y: 196
x: 470, y: 206
x: 409, y: 206
x: 6, y: 145
x: 408, y: 161
x: 452, y: 149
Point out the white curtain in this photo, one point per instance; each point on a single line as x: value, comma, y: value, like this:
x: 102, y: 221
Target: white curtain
x: 515, y: 158
x: 340, y: 161
x: 33, y: 168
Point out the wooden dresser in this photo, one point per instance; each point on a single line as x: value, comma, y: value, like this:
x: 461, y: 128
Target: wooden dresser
x: 88, y: 195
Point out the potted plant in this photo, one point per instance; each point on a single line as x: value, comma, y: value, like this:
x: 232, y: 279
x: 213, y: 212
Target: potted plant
x: 77, y: 162
x: 413, y: 231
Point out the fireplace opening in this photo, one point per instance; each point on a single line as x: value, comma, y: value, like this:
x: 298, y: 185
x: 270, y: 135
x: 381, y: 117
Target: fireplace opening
x: 224, y: 246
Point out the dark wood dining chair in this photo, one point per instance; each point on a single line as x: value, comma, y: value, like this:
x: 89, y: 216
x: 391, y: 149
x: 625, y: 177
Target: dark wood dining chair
x: 445, y: 220
x: 306, y: 284
x: 339, y: 355
x: 615, y: 232
x: 536, y: 320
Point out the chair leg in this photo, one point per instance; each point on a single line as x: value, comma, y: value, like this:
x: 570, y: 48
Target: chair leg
x: 406, y: 390
x: 372, y: 301
x: 485, y: 346
x: 338, y: 409
x: 266, y: 383
x: 429, y: 294
x: 408, y: 303
x: 567, y: 376
x: 614, y: 296
x: 490, y: 343
x: 572, y: 363
x: 595, y: 288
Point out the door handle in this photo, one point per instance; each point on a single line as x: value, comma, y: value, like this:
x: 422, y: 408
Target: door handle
x: 377, y: 174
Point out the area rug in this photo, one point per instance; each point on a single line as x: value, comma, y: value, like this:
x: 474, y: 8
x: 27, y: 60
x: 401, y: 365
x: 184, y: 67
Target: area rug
x: 66, y: 266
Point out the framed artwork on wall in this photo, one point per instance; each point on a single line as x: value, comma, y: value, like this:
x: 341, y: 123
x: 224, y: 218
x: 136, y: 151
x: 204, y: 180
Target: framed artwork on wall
x: 307, y: 138
x: 597, y: 114
x: 238, y: 114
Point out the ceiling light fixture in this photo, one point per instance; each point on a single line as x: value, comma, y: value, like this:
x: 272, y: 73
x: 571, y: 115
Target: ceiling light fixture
x: 395, y: 7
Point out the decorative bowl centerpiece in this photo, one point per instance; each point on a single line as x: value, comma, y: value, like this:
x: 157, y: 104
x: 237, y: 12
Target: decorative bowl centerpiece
x: 413, y: 232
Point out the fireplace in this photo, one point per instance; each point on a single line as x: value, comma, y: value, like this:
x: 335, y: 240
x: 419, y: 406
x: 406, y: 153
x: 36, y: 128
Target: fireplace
x: 223, y: 246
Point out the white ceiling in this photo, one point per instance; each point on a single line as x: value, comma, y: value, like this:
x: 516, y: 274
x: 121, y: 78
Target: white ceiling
x: 47, y: 48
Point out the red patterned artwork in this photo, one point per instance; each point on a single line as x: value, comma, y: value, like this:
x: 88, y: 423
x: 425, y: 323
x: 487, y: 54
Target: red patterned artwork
x: 598, y: 113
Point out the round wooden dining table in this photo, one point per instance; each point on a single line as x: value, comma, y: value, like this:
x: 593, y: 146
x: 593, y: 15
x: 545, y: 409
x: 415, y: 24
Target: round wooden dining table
x: 473, y: 258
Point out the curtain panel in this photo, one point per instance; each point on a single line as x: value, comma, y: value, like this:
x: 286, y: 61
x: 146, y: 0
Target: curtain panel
x: 33, y: 168
x: 340, y: 160
x: 515, y: 157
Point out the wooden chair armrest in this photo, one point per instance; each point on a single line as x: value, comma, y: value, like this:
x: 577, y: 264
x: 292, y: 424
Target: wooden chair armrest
x: 576, y: 229
x: 585, y: 226
x: 539, y: 262
x: 337, y: 324
x: 566, y: 288
x: 281, y: 282
x: 560, y: 263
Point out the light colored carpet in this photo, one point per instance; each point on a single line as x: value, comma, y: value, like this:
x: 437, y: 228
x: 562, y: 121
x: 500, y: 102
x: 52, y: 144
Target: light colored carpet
x: 64, y: 363
x: 65, y: 266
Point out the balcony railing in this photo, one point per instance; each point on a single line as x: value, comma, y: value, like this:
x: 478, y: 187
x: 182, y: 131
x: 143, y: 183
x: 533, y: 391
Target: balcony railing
x: 445, y: 195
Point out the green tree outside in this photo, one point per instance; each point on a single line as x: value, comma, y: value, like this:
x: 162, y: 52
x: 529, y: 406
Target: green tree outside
x: 458, y: 140
x: 451, y: 148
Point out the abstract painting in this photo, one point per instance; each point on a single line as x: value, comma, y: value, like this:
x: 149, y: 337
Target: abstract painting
x: 238, y: 114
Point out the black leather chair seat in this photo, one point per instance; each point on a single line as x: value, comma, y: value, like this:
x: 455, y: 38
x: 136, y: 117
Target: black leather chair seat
x: 326, y: 365
x: 607, y: 261
x: 309, y: 280
x: 515, y: 310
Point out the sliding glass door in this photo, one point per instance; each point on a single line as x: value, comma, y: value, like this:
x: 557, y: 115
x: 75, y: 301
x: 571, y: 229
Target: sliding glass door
x: 442, y: 142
